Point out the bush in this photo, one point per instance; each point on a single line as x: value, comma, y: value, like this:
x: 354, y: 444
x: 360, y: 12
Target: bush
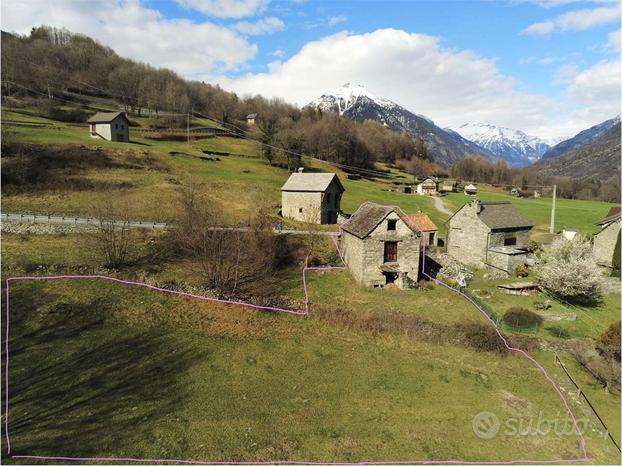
x: 609, y: 343
x: 558, y: 331
x: 606, y: 371
x: 520, y: 317
x: 568, y: 270
x: 521, y: 270
x: 482, y: 337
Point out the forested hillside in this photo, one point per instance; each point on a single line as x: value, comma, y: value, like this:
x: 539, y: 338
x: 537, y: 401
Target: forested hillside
x: 63, y: 66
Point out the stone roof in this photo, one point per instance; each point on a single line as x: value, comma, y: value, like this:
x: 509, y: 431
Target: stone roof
x: 501, y: 215
x: 367, y: 218
x: 429, y: 182
x: 423, y: 222
x: 311, y: 182
x: 105, y: 117
x: 613, y: 214
x: 251, y: 115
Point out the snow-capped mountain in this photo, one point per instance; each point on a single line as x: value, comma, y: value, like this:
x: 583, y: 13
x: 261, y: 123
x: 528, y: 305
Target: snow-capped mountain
x: 354, y: 101
x: 514, y: 146
x: 584, y: 137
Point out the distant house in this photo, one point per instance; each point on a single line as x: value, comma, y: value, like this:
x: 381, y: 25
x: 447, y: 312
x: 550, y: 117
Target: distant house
x: 407, y: 189
x: 112, y: 126
x: 606, y: 243
x: 427, y: 187
x: 428, y: 228
x: 312, y: 197
x: 489, y: 234
x: 470, y: 189
x: 250, y: 119
x: 449, y: 186
x: 380, y: 247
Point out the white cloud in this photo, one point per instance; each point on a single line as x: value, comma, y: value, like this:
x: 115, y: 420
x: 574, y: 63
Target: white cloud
x: 566, y: 73
x: 134, y: 31
x: 335, y: 20
x: 576, y: 20
x: 449, y: 86
x: 266, y: 25
x: 556, y: 3
x: 278, y: 53
x: 613, y: 40
x: 226, y: 8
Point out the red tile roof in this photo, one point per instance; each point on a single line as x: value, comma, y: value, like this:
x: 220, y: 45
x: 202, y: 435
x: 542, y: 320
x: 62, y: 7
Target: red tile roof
x: 423, y: 222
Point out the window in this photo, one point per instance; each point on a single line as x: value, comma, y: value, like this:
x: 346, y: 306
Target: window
x: 299, y: 210
x: 116, y: 126
x: 509, y: 242
x: 432, y: 238
x: 391, y: 224
x: 390, y: 251
x: 122, y: 127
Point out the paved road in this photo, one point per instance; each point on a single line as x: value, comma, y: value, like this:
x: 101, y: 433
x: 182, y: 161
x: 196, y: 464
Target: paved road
x: 438, y: 203
x: 85, y: 221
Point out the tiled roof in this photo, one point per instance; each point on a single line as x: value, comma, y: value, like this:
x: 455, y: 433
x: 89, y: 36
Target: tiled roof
x: 423, y: 222
x: 367, y: 218
x: 313, y: 182
x: 612, y: 215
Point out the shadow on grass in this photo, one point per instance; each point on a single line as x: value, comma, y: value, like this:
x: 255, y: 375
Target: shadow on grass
x: 81, y: 384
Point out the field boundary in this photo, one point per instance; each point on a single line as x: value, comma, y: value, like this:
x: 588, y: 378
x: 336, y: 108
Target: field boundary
x: 334, y: 237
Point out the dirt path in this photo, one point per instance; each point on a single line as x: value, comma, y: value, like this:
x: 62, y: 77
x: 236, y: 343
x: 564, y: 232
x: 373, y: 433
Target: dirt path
x: 438, y: 203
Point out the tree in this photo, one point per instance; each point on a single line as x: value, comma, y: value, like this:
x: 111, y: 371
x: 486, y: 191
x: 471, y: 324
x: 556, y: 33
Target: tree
x: 112, y: 234
x: 568, y: 269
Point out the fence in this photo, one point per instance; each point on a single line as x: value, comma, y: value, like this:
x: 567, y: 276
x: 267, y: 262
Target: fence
x: 582, y: 393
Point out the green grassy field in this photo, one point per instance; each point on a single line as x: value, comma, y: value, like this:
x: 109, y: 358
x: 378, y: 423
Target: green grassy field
x: 108, y: 370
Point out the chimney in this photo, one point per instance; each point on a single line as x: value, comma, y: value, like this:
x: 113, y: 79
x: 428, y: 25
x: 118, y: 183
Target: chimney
x: 301, y: 169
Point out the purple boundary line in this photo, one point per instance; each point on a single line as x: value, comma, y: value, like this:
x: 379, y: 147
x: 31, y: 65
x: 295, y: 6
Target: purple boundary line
x: 296, y: 312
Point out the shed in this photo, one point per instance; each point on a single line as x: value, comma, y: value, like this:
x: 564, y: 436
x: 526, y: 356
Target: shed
x: 520, y: 288
x: 470, y: 189
x: 250, y: 119
x: 111, y: 126
x: 427, y: 227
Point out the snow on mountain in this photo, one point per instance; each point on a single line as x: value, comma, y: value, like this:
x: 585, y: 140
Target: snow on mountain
x: 355, y: 102
x: 514, y: 146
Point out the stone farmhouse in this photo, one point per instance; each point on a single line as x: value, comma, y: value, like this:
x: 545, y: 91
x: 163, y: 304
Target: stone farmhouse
x: 427, y: 227
x: 112, y: 126
x: 312, y: 197
x: 380, y: 247
x: 449, y: 186
x: 489, y: 234
x: 606, y: 245
x: 250, y: 119
x: 427, y: 187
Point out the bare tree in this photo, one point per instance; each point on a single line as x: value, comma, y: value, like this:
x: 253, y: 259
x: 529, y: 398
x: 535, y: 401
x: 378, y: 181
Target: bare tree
x: 112, y: 235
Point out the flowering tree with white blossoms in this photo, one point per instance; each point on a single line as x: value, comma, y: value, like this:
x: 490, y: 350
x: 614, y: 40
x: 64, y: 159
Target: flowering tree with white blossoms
x: 568, y: 269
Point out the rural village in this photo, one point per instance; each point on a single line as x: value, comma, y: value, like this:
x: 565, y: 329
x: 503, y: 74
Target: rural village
x: 195, y: 275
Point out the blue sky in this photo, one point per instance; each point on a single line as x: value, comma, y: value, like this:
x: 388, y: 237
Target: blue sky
x: 549, y: 67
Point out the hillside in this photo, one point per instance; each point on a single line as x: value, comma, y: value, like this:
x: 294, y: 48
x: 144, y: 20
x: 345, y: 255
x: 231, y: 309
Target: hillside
x: 598, y: 159
x: 584, y: 137
x: 358, y: 104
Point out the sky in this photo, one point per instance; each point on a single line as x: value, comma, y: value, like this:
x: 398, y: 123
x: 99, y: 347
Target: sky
x: 550, y: 68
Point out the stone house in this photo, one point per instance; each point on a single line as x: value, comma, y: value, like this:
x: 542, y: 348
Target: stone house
x: 112, y: 126
x: 449, y: 186
x: 489, y: 234
x: 427, y: 227
x: 380, y: 247
x: 606, y: 243
x: 250, y: 119
x: 427, y: 187
x: 312, y: 197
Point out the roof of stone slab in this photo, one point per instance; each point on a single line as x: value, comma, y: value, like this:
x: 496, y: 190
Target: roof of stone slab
x: 367, y: 218
x: 500, y: 215
x: 310, y: 182
x: 105, y: 117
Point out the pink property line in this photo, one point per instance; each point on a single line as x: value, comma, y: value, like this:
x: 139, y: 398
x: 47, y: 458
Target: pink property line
x: 290, y: 311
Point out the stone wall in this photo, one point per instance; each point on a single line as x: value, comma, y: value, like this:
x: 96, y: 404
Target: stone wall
x: 523, y: 237
x: 467, y: 237
x: 302, y: 206
x: 605, y: 242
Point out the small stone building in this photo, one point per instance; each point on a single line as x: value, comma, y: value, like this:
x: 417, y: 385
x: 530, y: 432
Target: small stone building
x: 427, y: 227
x: 606, y: 245
x: 250, y: 119
x: 427, y: 187
x: 312, y: 197
x: 112, y: 126
x: 489, y: 234
x: 470, y: 189
x: 449, y: 186
x: 380, y: 247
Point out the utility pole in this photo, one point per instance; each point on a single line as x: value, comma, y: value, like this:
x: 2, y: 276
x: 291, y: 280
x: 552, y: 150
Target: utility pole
x: 552, y: 227
x: 188, y: 128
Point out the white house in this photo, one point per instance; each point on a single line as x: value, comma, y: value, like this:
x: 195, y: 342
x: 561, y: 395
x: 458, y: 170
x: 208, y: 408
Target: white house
x: 112, y: 126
